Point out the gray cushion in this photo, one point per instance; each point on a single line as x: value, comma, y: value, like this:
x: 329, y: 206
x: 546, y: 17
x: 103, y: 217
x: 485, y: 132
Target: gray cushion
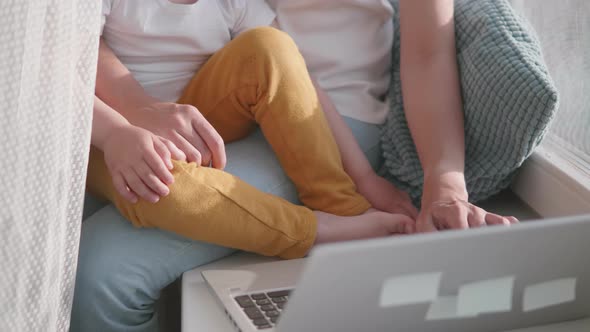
x: 508, y: 100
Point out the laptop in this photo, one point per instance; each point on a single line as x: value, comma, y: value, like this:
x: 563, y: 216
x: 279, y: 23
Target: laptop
x: 487, y: 279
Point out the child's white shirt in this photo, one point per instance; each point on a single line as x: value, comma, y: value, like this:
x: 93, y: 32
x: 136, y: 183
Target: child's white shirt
x: 164, y: 44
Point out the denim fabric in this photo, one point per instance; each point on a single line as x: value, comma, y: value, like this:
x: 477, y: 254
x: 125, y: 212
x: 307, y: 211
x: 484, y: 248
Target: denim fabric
x: 122, y: 269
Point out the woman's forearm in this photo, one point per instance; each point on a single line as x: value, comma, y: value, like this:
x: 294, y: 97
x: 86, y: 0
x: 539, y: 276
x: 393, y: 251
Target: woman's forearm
x: 431, y: 89
x: 434, y: 113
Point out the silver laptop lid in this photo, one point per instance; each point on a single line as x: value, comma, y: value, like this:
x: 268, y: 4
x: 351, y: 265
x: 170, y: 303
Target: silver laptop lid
x: 489, y: 279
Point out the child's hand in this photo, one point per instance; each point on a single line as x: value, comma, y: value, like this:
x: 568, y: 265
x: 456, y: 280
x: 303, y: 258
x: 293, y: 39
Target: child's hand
x: 187, y: 128
x: 384, y: 196
x: 140, y: 163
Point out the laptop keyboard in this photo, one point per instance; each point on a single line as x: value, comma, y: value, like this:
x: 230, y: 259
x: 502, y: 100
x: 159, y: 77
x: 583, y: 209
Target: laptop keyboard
x: 264, y: 308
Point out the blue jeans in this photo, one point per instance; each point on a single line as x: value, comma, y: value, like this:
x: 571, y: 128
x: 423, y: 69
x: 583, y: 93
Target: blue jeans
x: 122, y: 269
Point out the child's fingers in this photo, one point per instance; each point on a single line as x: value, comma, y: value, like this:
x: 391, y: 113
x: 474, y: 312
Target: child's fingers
x: 410, y: 209
x: 134, y: 182
x: 157, y: 165
x: 401, y: 224
x: 122, y: 189
x: 163, y: 152
x: 425, y: 224
x: 151, y: 180
x: 176, y: 153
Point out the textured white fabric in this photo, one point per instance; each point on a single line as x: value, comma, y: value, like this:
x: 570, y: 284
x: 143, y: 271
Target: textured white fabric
x: 47, y: 70
x: 347, y: 47
x: 562, y: 27
x: 163, y: 44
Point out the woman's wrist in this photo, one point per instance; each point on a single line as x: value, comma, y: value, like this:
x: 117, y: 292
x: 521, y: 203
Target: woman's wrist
x: 134, y: 111
x: 446, y: 186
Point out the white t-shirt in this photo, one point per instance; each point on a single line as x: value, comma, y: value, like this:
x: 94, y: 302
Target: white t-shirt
x: 163, y: 44
x: 347, y: 48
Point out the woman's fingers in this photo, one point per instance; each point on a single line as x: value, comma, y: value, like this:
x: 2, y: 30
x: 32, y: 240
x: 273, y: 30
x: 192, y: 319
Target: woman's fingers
x: 199, y: 144
x: 215, y: 145
x: 477, y: 217
x: 450, y: 215
x: 192, y: 154
x: 512, y: 219
x: 494, y: 219
x: 175, y: 152
x: 458, y: 215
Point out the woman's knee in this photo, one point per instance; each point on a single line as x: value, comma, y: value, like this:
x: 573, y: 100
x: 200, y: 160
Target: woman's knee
x: 110, y: 298
x: 122, y: 269
x: 111, y: 294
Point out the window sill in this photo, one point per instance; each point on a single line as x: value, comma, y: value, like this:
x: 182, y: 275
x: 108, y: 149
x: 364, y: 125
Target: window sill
x: 552, y: 185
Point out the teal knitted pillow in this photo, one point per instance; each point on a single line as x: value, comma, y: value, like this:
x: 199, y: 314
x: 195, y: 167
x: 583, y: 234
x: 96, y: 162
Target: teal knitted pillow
x: 508, y: 100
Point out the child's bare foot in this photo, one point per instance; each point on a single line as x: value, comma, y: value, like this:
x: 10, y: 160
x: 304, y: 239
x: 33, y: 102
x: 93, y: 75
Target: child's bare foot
x: 373, y: 223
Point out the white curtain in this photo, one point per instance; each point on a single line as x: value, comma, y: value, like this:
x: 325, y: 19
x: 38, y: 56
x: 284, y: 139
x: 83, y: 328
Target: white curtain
x: 563, y: 27
x: 48, y: 51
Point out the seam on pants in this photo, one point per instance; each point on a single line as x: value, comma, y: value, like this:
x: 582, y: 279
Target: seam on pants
x: 298, y: 243
x: 356, y: 206
x: 230, y: 93
x: 292, y: 154
x: 248, y: 85
x: 247, y: 211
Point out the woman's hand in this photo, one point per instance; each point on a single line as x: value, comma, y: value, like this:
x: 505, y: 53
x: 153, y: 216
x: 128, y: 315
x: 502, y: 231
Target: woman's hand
x: 457, y: 214
x: 384, y: 196
x: 140, y: 163
x: 445, y: 206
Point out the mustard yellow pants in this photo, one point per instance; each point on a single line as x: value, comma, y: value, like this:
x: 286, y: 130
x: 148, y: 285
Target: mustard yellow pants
x: 259, y: 79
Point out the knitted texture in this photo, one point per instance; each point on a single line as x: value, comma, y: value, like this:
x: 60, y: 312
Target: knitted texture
x: 508, y: 96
